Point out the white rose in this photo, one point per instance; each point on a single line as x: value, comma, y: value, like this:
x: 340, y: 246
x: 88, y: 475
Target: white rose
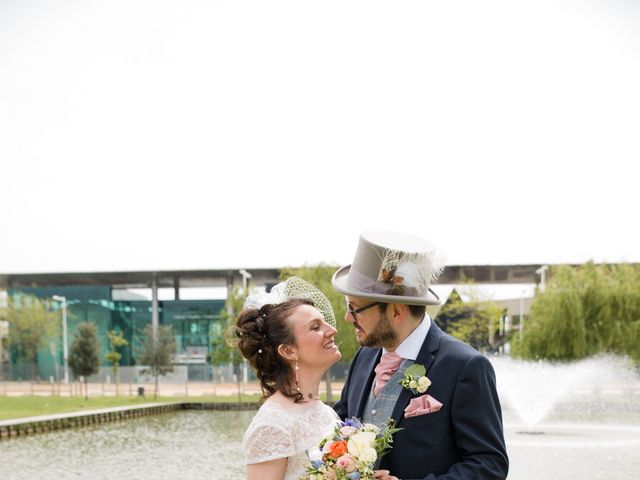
x: 424, y: 382
x: 413, y: 384
x: 359, y: 442
x: 314, y: 454
x: 421, y: 389
x: 368, y: 455
x: 370, y: 427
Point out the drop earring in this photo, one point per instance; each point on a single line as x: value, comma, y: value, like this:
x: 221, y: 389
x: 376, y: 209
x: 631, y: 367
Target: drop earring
x: 297, y: 369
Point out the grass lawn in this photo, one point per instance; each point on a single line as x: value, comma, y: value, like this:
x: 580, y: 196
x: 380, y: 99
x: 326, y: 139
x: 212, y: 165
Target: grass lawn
x: 31, y: 406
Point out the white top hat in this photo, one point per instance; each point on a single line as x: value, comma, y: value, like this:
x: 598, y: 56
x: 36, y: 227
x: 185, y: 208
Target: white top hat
x: 392, y: 268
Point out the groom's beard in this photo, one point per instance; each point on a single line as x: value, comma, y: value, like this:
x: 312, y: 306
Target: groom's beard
x: 382, y: 335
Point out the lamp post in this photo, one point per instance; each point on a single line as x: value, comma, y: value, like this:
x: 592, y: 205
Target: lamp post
x: 245, y: 276
x: 65, y: 348
x: 521, y: 325
x: 541, y: 271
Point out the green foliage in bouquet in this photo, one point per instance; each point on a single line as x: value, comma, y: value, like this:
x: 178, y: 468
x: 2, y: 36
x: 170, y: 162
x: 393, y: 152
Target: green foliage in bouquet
x: 350, y: 452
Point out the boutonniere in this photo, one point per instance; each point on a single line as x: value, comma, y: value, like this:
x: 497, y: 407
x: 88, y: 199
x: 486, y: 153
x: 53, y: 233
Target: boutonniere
x: 414, y: 379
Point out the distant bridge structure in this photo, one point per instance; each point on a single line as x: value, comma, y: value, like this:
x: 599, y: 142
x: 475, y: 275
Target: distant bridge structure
x: 176, y: 279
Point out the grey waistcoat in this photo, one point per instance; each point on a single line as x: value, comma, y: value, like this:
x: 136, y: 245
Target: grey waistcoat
x: 379, y: 409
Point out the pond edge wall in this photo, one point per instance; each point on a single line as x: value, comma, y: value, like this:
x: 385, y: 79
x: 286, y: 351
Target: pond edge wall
x: 48, y: 423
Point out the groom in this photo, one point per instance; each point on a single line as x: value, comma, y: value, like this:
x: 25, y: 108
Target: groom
x: 450, y: 416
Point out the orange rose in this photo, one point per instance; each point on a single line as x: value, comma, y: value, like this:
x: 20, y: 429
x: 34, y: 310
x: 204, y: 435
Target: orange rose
x: 338, y: 449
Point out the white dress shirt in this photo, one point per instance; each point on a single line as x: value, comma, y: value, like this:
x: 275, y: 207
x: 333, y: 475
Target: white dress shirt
x: 410, y: 346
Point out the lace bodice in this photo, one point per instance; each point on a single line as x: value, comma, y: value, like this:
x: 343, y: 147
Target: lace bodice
x: 287, y: 431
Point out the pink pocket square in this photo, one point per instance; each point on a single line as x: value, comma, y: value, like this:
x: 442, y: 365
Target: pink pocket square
x: 421, y: 406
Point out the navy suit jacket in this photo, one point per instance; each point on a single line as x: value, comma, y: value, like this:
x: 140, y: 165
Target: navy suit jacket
x: 464, y: 439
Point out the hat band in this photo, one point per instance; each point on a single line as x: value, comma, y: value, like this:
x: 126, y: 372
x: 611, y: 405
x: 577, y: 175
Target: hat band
x: 366, y: 284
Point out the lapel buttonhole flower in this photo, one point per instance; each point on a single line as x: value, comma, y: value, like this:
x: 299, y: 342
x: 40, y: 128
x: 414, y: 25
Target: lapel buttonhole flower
x: 414, y: 379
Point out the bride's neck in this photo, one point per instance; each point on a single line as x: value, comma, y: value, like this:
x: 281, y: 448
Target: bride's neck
x: 309, y: 383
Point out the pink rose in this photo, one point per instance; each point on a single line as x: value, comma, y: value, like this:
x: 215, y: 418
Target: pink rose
x: 348, y: 431
x: 347, y: 462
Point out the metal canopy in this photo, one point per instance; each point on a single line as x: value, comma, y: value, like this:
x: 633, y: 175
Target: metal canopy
x: 487, y: 274
x: 183, y: 278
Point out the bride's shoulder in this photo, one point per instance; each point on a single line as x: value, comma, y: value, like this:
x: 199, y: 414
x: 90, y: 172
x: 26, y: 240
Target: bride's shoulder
x: 270, y: 413
x: 269, y: 435
x: 280, y: 411
x: 272, y: 406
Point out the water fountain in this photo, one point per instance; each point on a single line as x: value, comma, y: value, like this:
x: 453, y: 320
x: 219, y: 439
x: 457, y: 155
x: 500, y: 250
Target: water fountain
x: 572, y: 420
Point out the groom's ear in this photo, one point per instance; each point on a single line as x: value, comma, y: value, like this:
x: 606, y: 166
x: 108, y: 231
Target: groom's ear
x: 288, y: 352
x: 399, y: 313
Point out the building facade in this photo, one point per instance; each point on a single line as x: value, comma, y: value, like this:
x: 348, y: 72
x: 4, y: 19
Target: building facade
x: 194, y: 323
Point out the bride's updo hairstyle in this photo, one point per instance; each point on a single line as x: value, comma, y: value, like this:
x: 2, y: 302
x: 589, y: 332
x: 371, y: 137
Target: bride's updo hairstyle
x: 260, y: 332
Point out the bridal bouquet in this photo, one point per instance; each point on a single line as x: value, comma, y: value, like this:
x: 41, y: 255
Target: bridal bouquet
x: 350, y: 451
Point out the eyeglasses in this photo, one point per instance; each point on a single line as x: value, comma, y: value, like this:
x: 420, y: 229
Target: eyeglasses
x: 355, y: 311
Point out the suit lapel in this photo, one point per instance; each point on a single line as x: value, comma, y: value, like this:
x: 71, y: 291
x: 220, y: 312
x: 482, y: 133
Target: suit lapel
x: 426, y: 356
x: 366, y: 376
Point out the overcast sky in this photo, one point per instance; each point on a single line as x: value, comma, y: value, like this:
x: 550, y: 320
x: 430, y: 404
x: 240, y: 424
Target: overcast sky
x: 140, y: 134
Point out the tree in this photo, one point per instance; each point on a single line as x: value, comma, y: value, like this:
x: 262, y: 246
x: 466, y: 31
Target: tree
x: 453, y: 310
x: 31, y: 326
x: 116, y: 340
x: 224, y: 350
x: 156, y: 354
x: 320, y: 277
x: 584, y: 311
x: 474, y: 322
x: 84, y: 355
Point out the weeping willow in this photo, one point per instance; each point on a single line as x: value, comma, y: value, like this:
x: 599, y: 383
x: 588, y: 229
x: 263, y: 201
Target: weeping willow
x: 584, y: 311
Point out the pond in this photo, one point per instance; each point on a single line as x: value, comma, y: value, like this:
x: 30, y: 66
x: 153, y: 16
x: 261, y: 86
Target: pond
x: 205, y: 444
x: 188, y: 444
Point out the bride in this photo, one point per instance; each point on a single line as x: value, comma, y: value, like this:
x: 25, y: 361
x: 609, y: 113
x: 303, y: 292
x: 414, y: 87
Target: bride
x: 290, y: 345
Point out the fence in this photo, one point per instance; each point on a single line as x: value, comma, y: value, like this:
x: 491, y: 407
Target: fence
x: 185, y: 380
x: 182, y: 373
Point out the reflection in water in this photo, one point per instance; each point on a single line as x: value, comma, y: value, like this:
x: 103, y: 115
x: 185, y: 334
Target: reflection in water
x: 206, y: 445
x: 574, y: 451
x: 193, y: 444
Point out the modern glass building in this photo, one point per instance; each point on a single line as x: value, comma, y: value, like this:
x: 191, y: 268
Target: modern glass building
x: 194, y: 323
x: 112, y: 306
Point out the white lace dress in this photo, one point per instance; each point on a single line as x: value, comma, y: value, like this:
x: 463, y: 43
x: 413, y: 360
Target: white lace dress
x: 279, y: 431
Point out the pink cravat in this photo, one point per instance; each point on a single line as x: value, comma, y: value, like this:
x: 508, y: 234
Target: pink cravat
x: 388, y: 365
